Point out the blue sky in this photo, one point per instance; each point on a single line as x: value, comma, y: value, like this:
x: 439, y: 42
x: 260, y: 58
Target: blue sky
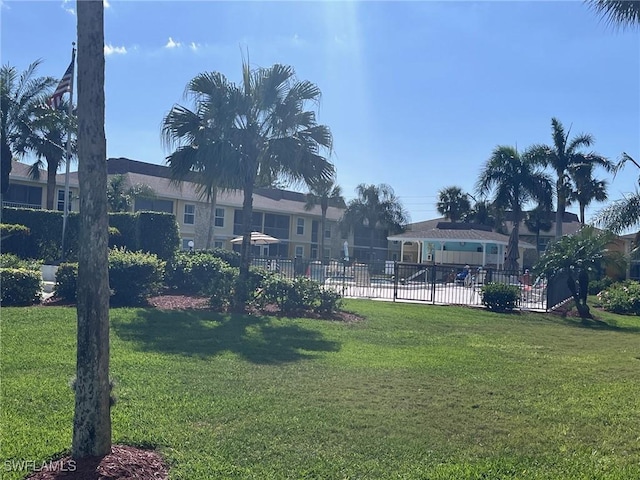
x: 417, y: 94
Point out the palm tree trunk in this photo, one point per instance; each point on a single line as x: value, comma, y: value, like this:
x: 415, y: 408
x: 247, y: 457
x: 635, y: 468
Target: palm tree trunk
x: 247, y: 216
x: 322, y: 227
x: 561, y: 206
x: 212, y: 218
x: 582, y: 208
x: 372, y: 237
x: 52, y: 168
x: 92, y: 420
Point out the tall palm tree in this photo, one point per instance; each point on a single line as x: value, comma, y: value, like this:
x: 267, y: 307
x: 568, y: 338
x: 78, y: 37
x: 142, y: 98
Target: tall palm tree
x: 376, y: 208
x: 92, y: 414
x: 562, y: 156
x: 46, y: 138
x: 453, y: 203
x: 121, y: 197
x: 623, y: 213
x: 324, y: 193
x: 514, y: 180
x: 586, y: 188
x: 257, y: 129
x: 538, y: 220
x: 625, y: 13
x: 20, y: 96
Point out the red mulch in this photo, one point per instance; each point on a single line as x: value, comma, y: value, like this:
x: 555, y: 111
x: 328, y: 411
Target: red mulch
x: 122, y: 463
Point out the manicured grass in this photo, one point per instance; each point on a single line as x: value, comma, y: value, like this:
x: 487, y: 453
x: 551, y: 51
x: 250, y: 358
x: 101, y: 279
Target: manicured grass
x: 412, y: 392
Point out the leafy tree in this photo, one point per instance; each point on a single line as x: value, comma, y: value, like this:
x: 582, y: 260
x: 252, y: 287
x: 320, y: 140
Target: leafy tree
x: 538, y: 220
x: 258, y: 129
x: 562, y: 156
x: 586, y: 188
x: 514, y: 180
x: 377, y: 208
x: 484, y: 212
x: 625, y: 13
x: 324, y: 193
x: 453, y: 203
x: 576, y: 256
x: 121, y: 198
x: 92, y: 419
x: 20, y: 96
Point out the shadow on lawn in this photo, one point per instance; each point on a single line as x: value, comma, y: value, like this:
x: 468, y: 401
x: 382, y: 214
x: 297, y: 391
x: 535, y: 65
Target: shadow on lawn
x: 206, y: 334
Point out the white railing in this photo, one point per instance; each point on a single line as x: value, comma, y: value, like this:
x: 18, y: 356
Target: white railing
x: 21, y: 205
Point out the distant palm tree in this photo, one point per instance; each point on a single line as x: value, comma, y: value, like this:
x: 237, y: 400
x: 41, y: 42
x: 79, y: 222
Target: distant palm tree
x: 586, y: 188
x: 20, y: 96
x: 484, y: 212
x: 562, y: 156
x: 623, y: 213
x: 538, y: 220
x: 121, y: 197
x: 323, y: 193
x: 376, y: 208
x: 238, y: 134
x: 625, y: 13
x: 514, y: 180
x: 453, y: 203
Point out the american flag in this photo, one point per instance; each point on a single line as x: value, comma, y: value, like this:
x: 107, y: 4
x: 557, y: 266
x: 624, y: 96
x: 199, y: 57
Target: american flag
x: 63, y: 87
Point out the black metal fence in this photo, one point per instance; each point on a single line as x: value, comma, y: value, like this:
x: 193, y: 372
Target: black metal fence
x: 414, y: 282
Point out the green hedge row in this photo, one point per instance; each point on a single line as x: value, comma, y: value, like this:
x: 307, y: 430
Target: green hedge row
x: 151, y: 232
x: 19, y: 286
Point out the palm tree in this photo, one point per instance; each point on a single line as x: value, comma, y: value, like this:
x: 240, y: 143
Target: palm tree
x: 92, y: 414
x: 46, y: 137
x: 375, y: 208
x: 576, y: 256
x: 240, y: 133
x: 625, y: 13
x: 453, y: 203
x: 586, y: 188
x: 324, y: 193
x: 121, y: 198
x: 564, y: 155
x: 515, y: 180
x: 623, y: 213
x: 20, y: 96
x: 538, y: 220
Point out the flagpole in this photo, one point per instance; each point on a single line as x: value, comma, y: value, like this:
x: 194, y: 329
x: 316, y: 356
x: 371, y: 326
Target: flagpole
x: 65, y: 214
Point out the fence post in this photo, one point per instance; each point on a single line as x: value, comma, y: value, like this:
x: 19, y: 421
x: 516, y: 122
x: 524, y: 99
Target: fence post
x: 395, y: 280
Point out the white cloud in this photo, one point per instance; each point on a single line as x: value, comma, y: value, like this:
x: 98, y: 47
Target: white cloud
x: 67, y: 6
x: 106, y: 3
x: 194, y: 46
x: 110, y: 50
x: 172, y: 44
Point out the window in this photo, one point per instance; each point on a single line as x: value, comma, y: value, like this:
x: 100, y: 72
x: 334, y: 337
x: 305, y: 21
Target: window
x: 187, y: 244
x: 327, y: 233
x: 153, y: 205
x: 276, y: 225
x: 189, y: 214
x: 219, y: 218
x: 299, y: 251
x: 300, y: 227
x: 218, y: 244
x: 61, y: 201
x: 327, y: 253
x: 22, y: 196
x: 314, y: 252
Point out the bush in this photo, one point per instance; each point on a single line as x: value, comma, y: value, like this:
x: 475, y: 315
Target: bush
x: 298, y: 295
x: 157, y: 233
x: 596, y: 286
x: 500, y: 297
x: 19, y: 286
x: 66, y: 287
x: 329, y: 302
x: 193, y: 272
x: 9, y: 260
x: 622, y: 298
x: 229, y: 256
x: 134, y: 276
x: 222, y: 286
x: 7, y: 229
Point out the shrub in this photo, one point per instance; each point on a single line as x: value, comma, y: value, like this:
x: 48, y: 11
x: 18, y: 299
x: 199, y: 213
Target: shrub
x: 19, y: 286
x: 229, y: 256
x: 329, y: 301
x: 500, y: 297
x: 66, y: 287
x: 622, y: 298
x: 7, y: 229
x: 222, y: 286
x: 134, y: 276
x: 193, y: 272
x: 157, y: 233
x: 9, y: 260
x: 596, y: 286
x: 299, y: 294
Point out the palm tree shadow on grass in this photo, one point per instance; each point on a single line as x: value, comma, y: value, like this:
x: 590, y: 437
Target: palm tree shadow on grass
x: 206, y: 334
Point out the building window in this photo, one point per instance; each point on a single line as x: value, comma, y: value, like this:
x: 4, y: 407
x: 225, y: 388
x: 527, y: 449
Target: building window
x: 327, y: 233
x: 314, y: 252
x: 189, y: 214
x: 153, y: 205
x: 299, y: 251
x: 22, y: 196
x: 218, y: 244
x: 219, y: 218
x: 61, y: 201
x: 187, y: 244
x: 300, y: 226
x: 327, y: 253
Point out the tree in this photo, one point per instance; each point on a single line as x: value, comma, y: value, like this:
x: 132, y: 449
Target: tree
x: 92, y: 420
x: 515, y: 180
x: 538, y: 220
x: 562, y: 156
x: 586, y: 188
x: 46, y: 137
x: 20, y: 97
x: 453, y: 203
x: 625, y: 13
x: 258, y: 129
x: 623, y: 213
x: 120, y: 197
x: 576, y: 256
x: 323, y: 193
x: 377, y: 208
x: 485, y: 213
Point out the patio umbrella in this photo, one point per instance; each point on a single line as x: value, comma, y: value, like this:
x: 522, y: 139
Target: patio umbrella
x: 258, y: 238
x: 511, y: 258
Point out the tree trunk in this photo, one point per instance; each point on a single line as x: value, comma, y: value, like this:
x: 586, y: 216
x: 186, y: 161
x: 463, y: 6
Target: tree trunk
x: 5, y: 153
x: 52, y: 168
x: 247, y: 217
x: 582, y: 208
x: 323, y: 221
x: 372, y: 237
x: 561, y: 206
x: 212, y: 218
x: 92, y: 421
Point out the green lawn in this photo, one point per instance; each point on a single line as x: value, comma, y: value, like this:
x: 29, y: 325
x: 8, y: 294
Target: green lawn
x: 412, y: 392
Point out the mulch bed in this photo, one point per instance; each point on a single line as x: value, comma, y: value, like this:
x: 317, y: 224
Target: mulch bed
x: 123, y: 463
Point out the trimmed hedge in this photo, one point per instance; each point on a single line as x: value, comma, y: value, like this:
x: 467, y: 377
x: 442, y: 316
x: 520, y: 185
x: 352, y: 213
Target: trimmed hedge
x: 500, y: 297
x: 9, y: 260
x: 157, y: 233
x: 12, y: 229
x: 66, y: 287
x: 193, y: 272
x: 19, y: 286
